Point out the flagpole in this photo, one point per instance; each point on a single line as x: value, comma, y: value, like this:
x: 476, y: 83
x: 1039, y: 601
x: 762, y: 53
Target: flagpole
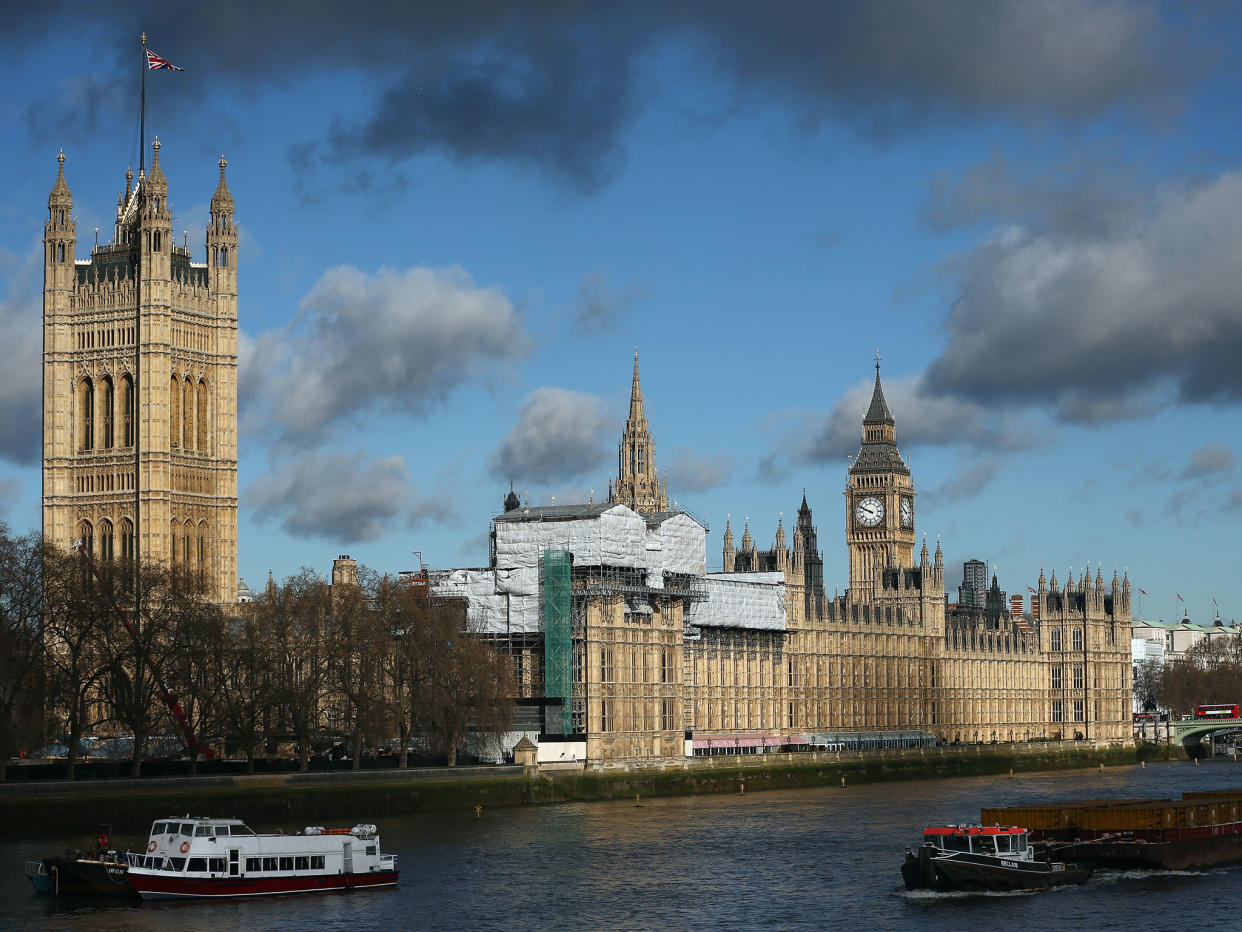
x: 142, y: 112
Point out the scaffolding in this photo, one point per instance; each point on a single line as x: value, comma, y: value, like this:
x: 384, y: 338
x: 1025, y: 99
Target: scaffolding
x: 557, y: 646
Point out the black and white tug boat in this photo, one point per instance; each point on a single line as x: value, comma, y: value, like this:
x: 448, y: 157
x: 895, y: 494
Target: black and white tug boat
x: 982, y: 858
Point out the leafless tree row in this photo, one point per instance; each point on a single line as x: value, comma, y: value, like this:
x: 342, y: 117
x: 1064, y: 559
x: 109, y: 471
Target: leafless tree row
x: 378, y: 664
x: 1210, y: 672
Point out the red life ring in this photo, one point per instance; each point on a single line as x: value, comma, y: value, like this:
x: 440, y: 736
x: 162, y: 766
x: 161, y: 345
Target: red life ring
x: 151, y: 846
x: 185, y: 846
x: 102, y: 838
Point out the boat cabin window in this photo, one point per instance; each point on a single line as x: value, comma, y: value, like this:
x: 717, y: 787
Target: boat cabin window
x: 222, y: 830
x: 241, y: 830
x: 198, y: 864
x: 955, y: 842
x: 158, y: 829
x: 370, y: 849
x: 187, y: 828
x: 203, y: 831
x: 217, y: 865
x: 302, y: 864
x: 317, y: 862
x: 1019, y: 843
x: 174, y: 864
x: 269, y: 864
x: 1002, y: 844
x: 254, y: 864
x: 286, y: 864
x: 984, y: 844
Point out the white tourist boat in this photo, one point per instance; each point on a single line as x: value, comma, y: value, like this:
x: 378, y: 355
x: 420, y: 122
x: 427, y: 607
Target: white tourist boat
x: 206, y: 857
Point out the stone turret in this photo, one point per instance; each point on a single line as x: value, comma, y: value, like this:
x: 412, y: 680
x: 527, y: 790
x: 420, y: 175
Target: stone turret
x: 729, y: 554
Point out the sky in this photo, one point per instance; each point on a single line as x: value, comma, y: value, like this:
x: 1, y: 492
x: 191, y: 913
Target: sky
x: 458, y: 221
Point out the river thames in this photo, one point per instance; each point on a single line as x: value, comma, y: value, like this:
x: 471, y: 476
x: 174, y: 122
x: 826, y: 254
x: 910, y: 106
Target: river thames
x: 811, y: 858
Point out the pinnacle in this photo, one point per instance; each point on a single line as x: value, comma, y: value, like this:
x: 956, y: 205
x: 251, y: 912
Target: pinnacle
x: 878, y: 412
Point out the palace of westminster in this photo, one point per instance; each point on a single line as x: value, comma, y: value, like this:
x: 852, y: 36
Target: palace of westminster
x: 629, y: 648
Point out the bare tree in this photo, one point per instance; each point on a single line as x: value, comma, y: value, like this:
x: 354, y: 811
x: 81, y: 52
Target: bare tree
x: 22, y: 665
x: 247, y: 691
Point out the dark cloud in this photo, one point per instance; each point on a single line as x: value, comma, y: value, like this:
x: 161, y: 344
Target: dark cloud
x: 338, y: 496
x: 690, y: 472
x: 1104, y: 325
x: 1212, y: 459
x: 560, y: 435
x: 1088, y: 197
x: 554, y: 85
x: 601, y: 305
x: 21, y: 380
x: 1136, y: 517
x: 394, y: 340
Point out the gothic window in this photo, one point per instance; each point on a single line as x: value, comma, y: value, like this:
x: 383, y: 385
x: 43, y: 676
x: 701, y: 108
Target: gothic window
x: 1055, y: 639
x: 1057, y: 714
x: 172, y: 538
x: 642, y: 460
x: 187, y: 415
x: 1079, y: 710
x: 105, y: 541
x: 187, y: 536
x: 1056, y: 677
x: 157, y: 242
x: 1078, y: 639
x: 86, y: 413
x: 60, y: 253
x: 86, y: 534
x: 127, y: 405
x: 224, y: 257
x: 127, y: 539
x: 201, y: 442
x: 1079, y: 680
x: 174, y: 414
x: 109, y: 402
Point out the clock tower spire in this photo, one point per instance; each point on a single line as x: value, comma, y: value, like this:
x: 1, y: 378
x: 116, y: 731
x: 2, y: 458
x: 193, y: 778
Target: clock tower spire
x: 879, y: 500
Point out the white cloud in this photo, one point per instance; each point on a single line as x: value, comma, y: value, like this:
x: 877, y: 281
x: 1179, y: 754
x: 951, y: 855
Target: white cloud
x: 560, y: 435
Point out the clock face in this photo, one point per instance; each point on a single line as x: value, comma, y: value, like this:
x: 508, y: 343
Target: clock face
x: 907, y: 512
x: 869, y: 511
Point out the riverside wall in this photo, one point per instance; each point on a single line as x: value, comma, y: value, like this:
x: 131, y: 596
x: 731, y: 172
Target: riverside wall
x: 291, y: 800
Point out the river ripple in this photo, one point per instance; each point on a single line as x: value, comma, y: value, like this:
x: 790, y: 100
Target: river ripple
x: 813, y: 858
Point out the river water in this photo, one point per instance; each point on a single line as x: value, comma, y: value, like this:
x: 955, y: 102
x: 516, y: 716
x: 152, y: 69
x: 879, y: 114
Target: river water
x: 812, y: 858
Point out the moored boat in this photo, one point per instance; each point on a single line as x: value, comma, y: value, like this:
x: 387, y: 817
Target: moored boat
x: 209, y: 857
x: 982, y: 858
x: 101, y: 872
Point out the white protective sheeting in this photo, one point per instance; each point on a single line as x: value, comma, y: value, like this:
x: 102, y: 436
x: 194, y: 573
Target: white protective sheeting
x: 498, y: 601
x: 741, y: 600
x: 678, y: 544
x: 616, y: 537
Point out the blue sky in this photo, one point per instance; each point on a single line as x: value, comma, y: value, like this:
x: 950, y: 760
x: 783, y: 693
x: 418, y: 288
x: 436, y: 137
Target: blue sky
x: 458, y: 220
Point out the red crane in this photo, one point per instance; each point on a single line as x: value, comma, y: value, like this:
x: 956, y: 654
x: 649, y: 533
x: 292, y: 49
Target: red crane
x: 192, y: 746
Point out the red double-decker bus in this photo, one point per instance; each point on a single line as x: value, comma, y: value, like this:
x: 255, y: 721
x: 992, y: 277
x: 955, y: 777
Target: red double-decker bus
x: 1218, y: 710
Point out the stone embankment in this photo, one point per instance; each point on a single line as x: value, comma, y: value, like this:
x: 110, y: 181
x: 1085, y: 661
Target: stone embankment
x: 291, y: 800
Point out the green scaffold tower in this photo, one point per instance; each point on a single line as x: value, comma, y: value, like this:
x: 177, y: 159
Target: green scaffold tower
x: 557, y: 646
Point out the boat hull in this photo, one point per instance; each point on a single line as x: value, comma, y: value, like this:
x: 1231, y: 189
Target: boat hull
x: 931, y: 869
x: 85, y: 877
x: 154, y: 886
x: 1196, y: 853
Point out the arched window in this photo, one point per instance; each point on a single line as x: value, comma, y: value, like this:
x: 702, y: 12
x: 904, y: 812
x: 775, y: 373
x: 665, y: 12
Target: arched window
x: 202, y: 552
x: 157, y: 242
x: 174, y: 415
x: 105, y: 541
x: 187, y: 415
x: 127, y: 540
x: 642, y: 460
x: 60, y: 253
x: 127, y: 405
x: 187, y: 536
x: 224, y: 257
x: 202, y: 415
x: 109, y: 402
x: 86, y: 534
x: 172, y: 541
x: 86, y: 413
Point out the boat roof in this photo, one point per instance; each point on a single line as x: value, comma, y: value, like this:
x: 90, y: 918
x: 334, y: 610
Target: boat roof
x: 206, y: 820
x: 974, y: 830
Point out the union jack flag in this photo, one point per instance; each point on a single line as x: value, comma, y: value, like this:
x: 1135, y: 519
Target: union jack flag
x: 1029, y: 589
x: 155, y: 63
x: 1142, y: 590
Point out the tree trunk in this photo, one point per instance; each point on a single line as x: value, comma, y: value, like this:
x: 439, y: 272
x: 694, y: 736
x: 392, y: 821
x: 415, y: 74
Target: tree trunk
x: 303, y: 753
x: 452, y: 749
x: 356, y: 762
x: 403, y: 756
x: 193, y: 763
x: 250, y: 758
x: 71, y: 754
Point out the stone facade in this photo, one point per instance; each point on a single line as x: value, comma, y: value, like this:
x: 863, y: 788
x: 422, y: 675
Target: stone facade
x: 140, y: 385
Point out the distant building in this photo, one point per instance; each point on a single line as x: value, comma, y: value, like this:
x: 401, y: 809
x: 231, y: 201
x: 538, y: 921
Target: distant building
x: 974, y: 583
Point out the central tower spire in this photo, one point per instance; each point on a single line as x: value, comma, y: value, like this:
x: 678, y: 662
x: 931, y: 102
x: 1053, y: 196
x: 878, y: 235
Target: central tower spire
x: 638, y: 485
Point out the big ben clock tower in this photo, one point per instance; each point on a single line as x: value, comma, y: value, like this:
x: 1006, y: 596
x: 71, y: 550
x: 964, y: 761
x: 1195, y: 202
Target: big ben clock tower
x: 879, y: 501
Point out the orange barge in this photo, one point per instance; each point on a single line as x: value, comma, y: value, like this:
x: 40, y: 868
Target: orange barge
x: 1198, y: 831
